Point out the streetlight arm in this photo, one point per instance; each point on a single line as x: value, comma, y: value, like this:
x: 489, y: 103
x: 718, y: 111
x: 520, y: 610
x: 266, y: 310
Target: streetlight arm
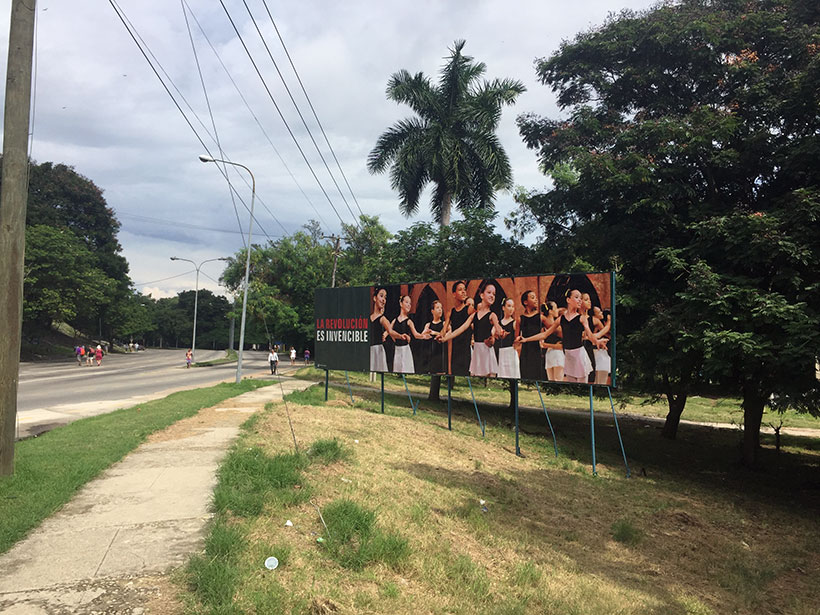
x: 205, y: 158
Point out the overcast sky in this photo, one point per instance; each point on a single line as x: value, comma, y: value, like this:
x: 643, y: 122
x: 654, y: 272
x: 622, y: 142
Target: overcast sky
x: 100, y: 109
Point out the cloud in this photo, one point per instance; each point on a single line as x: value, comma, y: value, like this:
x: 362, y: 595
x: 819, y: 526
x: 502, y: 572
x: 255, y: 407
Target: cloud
x: 100, y: 108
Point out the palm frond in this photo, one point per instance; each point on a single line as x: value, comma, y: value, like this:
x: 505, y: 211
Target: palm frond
x: 415, y: 91
x: 392, y: 141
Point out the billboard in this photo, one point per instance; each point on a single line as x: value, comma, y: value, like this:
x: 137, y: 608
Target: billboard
x: 552, y: 327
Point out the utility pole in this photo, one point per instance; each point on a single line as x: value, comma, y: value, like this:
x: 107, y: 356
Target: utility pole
x: 13, y: 198
x: 336, y: 252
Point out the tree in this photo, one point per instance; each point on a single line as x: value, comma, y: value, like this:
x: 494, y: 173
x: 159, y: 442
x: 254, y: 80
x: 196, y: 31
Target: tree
x: 284, y: 276
x: 693, y: 133
x: 451, y: 141
x: 61, y: 198
x: 60, y: 279
x: 362, y: 259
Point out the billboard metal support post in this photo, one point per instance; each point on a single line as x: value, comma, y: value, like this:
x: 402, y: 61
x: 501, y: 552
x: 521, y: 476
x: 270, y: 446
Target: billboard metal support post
x: 475, y: 405
x: 515, y: 400
x: 618, y: 429
x: 592, y: 430
x: 552, y: 431
x: 449, y: 403
x: 412, y: 405
x: 349, y: 390
x: 327, y: 377
x: 382, y: 375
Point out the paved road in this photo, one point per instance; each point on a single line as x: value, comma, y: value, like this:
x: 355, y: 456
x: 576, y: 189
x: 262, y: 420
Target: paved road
x: 55, y: 393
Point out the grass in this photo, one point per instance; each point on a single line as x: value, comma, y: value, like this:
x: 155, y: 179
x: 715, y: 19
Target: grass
x: 626, y: 533
x: 563, y: 397
x: 51, y: 468
x: 230, y: 357
x: 353, y: 540
x: 691, y: 533
x: 251, y: 486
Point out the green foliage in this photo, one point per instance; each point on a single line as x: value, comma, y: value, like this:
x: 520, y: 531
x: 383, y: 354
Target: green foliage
x: 60, y: 278
x: 63, y: 200
x: 688, y: 163
x: 451, y: 140
x: 284, y: 277
x: 354, y: 541
x: 625, y: 532
x: 328, y: 451
x: 249, y: 479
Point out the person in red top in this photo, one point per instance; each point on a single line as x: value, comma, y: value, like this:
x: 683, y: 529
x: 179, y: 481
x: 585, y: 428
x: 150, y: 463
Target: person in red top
x: 98, y: 355
x: 189, y: 356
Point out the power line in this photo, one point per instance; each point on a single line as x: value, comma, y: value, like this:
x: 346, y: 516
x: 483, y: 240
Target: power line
x: 256, y: 119
x: 210, y: 113
x: 176, y: 223
x: 139, y: 41
x: 279, y: 111
x: 298, y: 111
x: 164, y: 279
x: 310, y: 104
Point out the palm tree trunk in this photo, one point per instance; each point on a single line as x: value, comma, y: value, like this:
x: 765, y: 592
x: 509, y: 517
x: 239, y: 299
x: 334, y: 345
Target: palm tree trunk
x: 445, y: 210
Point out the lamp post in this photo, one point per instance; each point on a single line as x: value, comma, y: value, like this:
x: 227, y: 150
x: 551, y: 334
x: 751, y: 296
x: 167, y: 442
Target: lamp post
x: 205, y: 158
x: 196, y: 293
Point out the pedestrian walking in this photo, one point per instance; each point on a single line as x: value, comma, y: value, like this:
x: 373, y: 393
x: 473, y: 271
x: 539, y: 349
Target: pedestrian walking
x: 98, y: 355
x: 89, y: 356
x: 79, y: 351
x: 307, y: 356
x: 292, y: 355
x: 189, y: 356
x: 273, y: 359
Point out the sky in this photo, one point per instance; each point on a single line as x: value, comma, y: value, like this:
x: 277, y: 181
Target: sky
x: 99, y: 107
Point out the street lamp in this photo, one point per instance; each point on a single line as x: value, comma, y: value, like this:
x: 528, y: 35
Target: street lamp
x: 196, y: 293
x: 205, y: 158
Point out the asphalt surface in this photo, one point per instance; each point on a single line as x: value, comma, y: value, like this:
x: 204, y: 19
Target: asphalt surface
x: 54, y: 393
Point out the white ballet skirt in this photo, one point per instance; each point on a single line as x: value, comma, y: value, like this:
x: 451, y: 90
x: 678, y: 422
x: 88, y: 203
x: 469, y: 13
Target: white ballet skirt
x: 554, y: 358
x: 378, y: 359
x: 508, y: 364
x: 577, y: 363
x: 602, y: 361
x: 483, y: 362
x: 403, y: 360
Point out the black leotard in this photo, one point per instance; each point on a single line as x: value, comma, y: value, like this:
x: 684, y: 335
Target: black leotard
x: 460, y: 363
x: 573, y: 331
x: 402, y: 327
x: 376, y: 331
x: 482, y: 327
x: 435, y: 352
x: 508, y: 339
x: 531, y: 366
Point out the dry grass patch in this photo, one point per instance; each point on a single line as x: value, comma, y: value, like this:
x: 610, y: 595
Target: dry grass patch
x: 489, y: 532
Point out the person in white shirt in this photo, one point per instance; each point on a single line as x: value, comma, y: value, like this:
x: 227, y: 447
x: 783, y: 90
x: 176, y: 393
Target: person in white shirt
x: 273, y: 359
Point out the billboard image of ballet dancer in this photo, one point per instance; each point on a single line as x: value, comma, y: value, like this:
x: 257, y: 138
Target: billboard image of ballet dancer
x: 556, y: 327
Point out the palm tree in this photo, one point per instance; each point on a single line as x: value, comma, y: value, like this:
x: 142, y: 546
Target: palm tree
x: 451, y: 142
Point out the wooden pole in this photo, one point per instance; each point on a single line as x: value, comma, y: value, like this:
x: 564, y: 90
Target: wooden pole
x: 13, y: 196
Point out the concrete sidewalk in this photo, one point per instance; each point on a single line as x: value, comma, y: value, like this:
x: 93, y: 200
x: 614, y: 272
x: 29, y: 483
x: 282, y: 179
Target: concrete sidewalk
x: 107, y: 550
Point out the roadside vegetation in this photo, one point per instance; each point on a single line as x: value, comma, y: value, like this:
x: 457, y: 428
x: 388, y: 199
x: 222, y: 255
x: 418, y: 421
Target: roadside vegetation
x: 699, y: 409
x: 50, y: 468
x: 394, y: 513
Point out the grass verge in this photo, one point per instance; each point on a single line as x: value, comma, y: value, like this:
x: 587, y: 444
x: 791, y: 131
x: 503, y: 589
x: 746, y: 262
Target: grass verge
x: 255, y: 486
x: 563, y: 397
x: 480, y: 530
x: 230, y: 357
x: 51, y: 468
